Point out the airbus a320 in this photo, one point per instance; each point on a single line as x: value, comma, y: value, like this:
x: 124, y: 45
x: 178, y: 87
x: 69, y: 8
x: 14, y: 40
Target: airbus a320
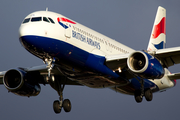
x: 77, y: 55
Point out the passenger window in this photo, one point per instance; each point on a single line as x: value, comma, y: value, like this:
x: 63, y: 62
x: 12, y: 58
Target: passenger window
x: 36, y: 19
x: 26, y: 20
x: 51, y: 20
x: 45, y: 19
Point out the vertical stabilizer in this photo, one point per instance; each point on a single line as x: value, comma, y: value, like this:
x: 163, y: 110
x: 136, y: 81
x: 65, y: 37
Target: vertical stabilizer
x: 158, y: 34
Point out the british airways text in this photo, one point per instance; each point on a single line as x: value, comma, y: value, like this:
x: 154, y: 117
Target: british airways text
x: 86, y: 40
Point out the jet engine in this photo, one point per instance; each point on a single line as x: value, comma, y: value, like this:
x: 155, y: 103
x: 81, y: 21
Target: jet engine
x: 145, y: 65
x: 21, y: 83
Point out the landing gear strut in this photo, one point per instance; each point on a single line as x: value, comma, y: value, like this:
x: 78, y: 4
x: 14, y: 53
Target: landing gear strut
x: 49, y: 62
x: 138, y: 94
x: 59, y: 104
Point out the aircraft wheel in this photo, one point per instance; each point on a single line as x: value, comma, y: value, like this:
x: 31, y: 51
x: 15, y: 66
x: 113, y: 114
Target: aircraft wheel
x: 56, y: 107
x: 67, y: 105
x: 137, y: 96
x: 148, y: 95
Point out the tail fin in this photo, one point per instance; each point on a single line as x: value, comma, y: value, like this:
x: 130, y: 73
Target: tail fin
x: 158, y: 34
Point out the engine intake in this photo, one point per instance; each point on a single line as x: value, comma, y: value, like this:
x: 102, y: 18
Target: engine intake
x: 19, y: 82
x: 145, y: 65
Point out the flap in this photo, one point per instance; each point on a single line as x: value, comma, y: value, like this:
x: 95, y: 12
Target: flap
x: 116, y: 61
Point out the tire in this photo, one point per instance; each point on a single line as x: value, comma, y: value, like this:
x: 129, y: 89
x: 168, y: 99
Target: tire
x: 137, y: 96
x: 67, y: 105
x: 56, y: 107
x: 148, y: 95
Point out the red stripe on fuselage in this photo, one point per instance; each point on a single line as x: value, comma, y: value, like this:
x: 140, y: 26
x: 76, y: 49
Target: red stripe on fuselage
x: 65, y: 20
x: 159, y: 28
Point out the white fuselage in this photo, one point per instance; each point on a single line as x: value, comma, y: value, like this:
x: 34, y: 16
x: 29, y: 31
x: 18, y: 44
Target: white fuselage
x: 107, y: 46
x: 68, y: 31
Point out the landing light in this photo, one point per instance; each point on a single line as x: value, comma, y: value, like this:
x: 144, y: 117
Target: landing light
x: 119, y: 69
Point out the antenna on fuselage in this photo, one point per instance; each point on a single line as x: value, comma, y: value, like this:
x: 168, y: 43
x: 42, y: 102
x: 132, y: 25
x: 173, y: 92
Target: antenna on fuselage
x: 47, y: 9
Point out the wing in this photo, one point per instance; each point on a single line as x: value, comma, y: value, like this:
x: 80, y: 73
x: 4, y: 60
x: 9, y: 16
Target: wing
x: 42, y: 70
x: 167, y: 57
x: 115, y: 62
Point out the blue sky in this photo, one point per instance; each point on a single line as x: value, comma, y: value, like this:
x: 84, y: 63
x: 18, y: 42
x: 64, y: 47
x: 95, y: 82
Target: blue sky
x: 129, y: 22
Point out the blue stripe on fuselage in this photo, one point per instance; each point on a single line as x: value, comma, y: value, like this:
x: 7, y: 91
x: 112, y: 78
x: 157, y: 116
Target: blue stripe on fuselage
x: 54, y: 48
x: 62, y: 50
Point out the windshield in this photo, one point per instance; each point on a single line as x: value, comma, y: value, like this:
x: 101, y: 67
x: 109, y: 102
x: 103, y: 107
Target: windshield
x: 37, y: 19
x: 26, y: 20
x: 34, y: 19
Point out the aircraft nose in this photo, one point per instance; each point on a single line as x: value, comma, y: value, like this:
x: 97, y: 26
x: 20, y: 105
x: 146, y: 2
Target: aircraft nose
x: 25, y: 30
x: 32, y: 29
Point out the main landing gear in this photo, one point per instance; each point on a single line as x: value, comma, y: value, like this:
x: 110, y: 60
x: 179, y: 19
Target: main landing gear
x: 66, y: 105
x: 59, y: 104
x: 58, y: 85
x: 138, y: 94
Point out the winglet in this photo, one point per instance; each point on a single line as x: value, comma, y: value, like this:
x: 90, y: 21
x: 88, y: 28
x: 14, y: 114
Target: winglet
x: 158, y: 34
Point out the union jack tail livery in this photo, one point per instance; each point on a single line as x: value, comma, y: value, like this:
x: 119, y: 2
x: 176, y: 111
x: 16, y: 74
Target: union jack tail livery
x: 158, y: 34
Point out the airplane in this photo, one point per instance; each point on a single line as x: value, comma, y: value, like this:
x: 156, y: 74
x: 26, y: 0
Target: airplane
x: 77, y: 55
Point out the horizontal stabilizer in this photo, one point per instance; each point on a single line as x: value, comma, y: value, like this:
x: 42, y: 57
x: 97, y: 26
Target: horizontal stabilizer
x: 174, y: 76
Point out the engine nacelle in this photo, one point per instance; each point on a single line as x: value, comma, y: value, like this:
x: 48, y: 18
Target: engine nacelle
x: 19, y: 82
x: 145, y: 65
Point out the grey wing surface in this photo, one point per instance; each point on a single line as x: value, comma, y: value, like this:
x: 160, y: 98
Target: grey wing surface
x: 168, y: 57
x: 43, y: 71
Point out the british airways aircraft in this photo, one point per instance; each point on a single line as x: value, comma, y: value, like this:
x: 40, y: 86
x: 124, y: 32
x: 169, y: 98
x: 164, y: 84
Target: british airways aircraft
x: 76, y: 55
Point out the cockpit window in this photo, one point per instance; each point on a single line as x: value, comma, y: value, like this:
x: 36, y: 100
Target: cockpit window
x: 26, y: 20
x: 34, y: 19
x: 45, y: 19
x: 51, y: 20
